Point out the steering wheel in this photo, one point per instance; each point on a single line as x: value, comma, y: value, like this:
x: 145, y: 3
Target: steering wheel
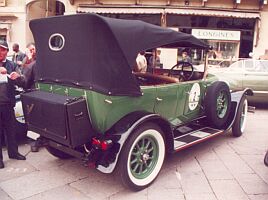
x: 184, y: 75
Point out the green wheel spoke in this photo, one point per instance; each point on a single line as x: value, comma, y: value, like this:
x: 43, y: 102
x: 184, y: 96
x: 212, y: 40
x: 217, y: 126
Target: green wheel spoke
x: 138, y: 146
x: 135, y: 153
x: 134, y: 161
x: 146, y: 165
x: 150, y: 150
x: 143, y: 143
x: 147, y: 144
x: 136, y: 167
x: 150, y: 158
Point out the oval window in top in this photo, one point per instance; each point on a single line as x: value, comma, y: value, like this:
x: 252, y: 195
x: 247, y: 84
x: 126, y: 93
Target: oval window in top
x: 56, y: 42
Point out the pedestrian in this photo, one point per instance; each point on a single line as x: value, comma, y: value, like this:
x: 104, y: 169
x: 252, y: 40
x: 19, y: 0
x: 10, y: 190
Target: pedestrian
x: 28, y: 76
x: 18, y: 55
x: 141, y: 63
x: 157, y: 59
x: 186, y: 57
x: 9, y: 77
x: 30, y: 55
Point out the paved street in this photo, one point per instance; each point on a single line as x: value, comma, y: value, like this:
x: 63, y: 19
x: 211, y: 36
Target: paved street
x: 224, y: 168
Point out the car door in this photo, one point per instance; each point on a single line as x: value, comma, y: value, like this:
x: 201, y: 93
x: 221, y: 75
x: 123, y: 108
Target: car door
x: 166, y: 100
x: 179, y: 103
x: 256, y: 77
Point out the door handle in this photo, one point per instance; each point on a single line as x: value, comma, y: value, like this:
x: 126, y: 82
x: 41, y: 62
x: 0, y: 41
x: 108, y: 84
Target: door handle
x: 108, y: 101
x: 158, y: 99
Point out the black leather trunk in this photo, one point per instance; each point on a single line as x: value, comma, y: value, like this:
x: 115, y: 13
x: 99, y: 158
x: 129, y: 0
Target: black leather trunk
x: 63, y: 119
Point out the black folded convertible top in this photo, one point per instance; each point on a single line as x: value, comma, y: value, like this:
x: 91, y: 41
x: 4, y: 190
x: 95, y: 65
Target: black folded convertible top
x: 99, y: 52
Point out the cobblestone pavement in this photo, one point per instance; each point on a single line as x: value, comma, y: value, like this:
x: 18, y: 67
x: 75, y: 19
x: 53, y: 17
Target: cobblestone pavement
x: 223, y: 168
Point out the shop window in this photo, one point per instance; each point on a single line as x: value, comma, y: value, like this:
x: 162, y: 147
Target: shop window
x: 224, y: 53
x: 224, y: 50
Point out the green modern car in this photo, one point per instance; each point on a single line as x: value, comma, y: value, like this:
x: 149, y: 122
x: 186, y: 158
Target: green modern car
x: 248, y: 73
x: 90, y: 104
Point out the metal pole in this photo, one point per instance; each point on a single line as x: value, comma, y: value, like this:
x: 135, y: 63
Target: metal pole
x: 47, y: 8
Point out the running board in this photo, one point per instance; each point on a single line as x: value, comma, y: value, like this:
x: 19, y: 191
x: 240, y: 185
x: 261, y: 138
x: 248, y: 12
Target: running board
x: 194, y: 136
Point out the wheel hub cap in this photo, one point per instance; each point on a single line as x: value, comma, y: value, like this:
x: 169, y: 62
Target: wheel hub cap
x: 145, y: 157
x: 222, y: 105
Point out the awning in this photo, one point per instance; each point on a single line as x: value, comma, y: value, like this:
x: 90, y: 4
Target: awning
x: 120, y: 10
x: 7, y: 16
x: 216, y: 13
x: 157, y: 10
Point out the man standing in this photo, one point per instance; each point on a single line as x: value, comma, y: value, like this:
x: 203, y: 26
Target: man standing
x: 141, y: 63
x: 30, y: 55
x: 18, y: 56
x: 8, y: 79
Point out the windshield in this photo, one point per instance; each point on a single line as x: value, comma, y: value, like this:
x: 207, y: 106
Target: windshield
x: 166, y: 58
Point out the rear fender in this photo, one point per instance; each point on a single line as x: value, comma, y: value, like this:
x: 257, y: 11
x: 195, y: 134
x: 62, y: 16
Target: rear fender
x: 125, y: 126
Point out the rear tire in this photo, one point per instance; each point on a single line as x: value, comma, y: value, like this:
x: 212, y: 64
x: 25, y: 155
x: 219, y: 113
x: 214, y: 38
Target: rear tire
x: 240, y: 118
x: 57, y: 153
x: 218, y: 104
x: 142, y: 157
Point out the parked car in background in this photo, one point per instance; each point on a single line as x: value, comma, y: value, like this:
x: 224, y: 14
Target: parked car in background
x: 247, y: 73
x: 219, y: 64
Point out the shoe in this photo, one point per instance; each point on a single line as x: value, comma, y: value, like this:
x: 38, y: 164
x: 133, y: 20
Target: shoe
x: 18, y: 157
x: 2, y: 164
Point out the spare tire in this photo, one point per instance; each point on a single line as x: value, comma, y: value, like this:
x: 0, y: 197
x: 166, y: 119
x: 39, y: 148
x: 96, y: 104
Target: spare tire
x: 218, y: 104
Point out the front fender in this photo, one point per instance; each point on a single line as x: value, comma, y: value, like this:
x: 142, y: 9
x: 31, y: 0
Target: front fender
x: 235, y: 101
x: 124, y: 127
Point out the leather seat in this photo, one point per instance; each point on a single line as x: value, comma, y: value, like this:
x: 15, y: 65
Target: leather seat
x: 158, y: 78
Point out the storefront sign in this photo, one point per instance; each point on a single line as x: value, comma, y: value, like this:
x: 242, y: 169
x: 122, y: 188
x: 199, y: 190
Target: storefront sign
x: 216, y: 34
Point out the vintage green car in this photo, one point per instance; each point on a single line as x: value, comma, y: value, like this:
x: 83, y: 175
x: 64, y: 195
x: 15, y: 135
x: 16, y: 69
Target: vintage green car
x: 90, y: 104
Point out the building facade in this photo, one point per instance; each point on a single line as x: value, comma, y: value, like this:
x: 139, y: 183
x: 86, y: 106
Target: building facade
x: 234, y: 28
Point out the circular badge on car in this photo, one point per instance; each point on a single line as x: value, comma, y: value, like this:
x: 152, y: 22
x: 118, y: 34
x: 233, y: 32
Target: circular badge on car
x: 194, y: 96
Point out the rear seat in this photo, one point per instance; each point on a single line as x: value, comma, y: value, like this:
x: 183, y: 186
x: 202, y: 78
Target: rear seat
x: 159, y: 79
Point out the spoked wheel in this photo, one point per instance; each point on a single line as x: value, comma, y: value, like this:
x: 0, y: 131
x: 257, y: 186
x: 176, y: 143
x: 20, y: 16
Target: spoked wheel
x: 218, y: 104
x: 142, y: 157
x: 241, y: 118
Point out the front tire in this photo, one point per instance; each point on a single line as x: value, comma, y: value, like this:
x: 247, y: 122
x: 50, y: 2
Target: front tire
x: 240, y: 118
x: 142, y: 157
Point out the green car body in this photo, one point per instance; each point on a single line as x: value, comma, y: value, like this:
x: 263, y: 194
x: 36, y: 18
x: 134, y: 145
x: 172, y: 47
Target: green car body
x: 170, y: 101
